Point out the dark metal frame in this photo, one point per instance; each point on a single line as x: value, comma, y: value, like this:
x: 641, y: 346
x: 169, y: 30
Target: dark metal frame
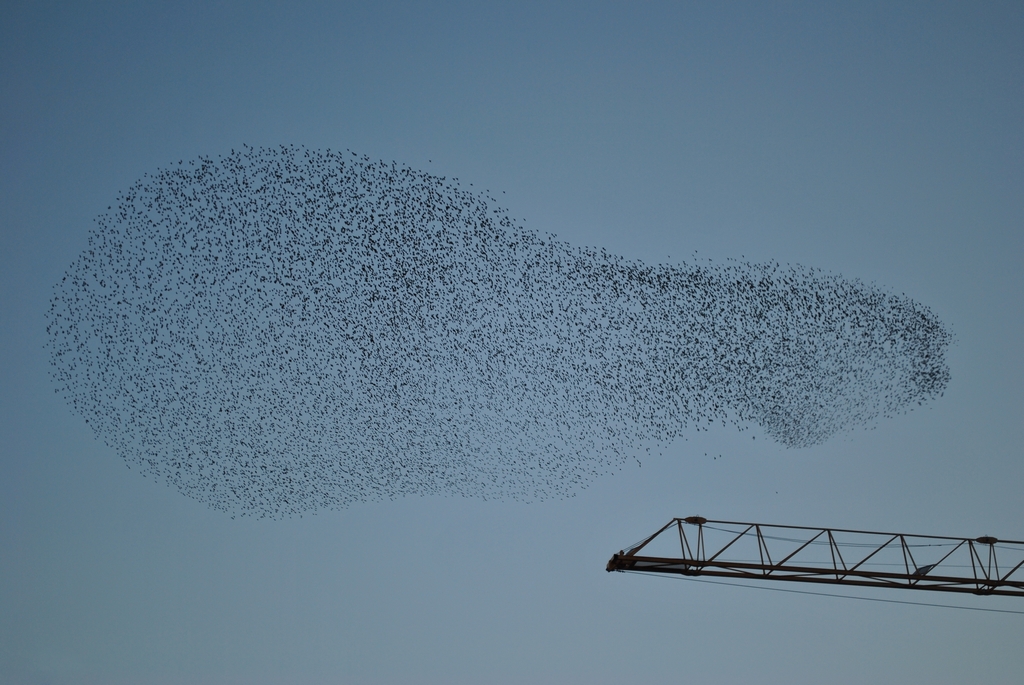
x: 947, y: 573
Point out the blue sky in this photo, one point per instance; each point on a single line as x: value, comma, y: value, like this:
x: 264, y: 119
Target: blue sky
x: 875, y: 141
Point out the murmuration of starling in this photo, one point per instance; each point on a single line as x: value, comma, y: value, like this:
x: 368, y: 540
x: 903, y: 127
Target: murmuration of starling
x: 280, y: 331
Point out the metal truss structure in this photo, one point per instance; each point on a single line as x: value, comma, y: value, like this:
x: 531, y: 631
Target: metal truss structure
x: 695, y: 546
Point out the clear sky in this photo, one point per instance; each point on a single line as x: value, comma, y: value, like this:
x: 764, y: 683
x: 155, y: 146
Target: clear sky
x: 875, y: 141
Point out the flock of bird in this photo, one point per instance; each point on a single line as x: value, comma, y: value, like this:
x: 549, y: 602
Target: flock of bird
x: 279, y: 331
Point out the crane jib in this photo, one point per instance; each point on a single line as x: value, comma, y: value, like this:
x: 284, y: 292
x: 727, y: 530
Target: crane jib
x: 696, y: 546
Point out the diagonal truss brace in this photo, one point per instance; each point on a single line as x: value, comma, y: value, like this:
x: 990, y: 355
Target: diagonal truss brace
x: 695, y: 546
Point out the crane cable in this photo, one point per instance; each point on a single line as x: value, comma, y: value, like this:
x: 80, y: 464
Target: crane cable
x: 827, y: 594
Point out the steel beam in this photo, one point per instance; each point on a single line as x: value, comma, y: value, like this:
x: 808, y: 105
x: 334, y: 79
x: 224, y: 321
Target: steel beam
x: 695, y: 546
